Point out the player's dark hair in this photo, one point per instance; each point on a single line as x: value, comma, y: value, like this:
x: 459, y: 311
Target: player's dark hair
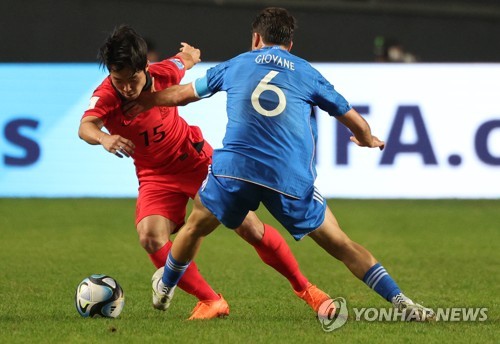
x: 124, y: 48
x: 275, y: 25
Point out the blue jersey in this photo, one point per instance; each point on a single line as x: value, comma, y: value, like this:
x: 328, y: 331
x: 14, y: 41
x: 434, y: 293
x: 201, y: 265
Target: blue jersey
x: 271, y: 133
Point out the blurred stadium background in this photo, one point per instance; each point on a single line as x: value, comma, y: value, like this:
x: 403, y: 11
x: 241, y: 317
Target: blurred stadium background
x: 329, y: 30
x: 440, y: 116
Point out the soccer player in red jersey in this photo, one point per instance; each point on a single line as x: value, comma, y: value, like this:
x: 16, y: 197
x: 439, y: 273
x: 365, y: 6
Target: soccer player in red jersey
x: 171, y: 160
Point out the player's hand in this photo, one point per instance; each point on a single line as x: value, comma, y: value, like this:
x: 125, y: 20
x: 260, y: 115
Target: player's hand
x: 192, y: 51
x: 376, y: 142
x: 117, y: 145
x: 144, y: 102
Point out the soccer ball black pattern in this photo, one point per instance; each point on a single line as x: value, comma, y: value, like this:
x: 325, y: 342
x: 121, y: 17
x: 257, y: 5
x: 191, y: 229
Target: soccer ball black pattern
x: 99, y: 296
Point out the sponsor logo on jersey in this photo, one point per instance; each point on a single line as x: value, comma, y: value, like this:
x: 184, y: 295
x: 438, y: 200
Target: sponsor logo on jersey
x: 178, y: 63
x: 92, y: 103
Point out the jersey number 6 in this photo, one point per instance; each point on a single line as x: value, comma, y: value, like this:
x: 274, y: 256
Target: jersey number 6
x: 265, y: 86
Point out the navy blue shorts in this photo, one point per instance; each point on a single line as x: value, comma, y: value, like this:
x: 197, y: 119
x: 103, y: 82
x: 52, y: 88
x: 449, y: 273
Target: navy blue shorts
x: 231, y: 199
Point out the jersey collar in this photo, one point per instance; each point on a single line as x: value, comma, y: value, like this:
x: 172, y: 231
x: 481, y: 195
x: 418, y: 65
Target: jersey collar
x: 270, y: 47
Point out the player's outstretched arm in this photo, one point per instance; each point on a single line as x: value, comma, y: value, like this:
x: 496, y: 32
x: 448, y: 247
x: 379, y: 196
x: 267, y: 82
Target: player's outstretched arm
x: 360, y: 128
x: 171, y: 96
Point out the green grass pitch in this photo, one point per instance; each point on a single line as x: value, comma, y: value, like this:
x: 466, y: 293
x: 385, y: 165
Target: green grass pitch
x: 443, y: 253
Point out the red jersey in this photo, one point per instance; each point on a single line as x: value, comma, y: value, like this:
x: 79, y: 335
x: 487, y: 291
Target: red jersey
x: 163, y: 140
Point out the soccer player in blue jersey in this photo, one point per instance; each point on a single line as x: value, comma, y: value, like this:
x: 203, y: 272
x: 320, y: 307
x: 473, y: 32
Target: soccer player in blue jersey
x: 268, y: 155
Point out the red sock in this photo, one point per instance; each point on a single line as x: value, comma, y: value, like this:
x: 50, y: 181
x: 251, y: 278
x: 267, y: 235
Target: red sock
x: 191, y: 282
x: 275, y: 252
x: 160, y: 257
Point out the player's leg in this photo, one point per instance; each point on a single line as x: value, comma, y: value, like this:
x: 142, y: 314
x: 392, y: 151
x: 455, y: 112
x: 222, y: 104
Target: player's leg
x: 364, y: 266
x: 154, y: 235
x: 167, y: 194
x: 219, y: 196
x: 310, y: 215
x: 334, y: 241
x: 275, y: 252
x: 211, y: 304
x: 187, y: 243
x: 158, y: 214
x: 272, y: 249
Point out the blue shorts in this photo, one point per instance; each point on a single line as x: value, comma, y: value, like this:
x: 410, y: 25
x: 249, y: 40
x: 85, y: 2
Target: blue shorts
x: 231, y: 199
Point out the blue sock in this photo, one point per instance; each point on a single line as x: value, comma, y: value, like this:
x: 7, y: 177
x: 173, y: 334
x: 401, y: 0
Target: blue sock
x: 379, y: 280
x: 173, y: 271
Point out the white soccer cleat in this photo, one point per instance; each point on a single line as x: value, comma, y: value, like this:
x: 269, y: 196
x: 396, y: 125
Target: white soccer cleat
x: 161, y: 295
x: 412, y: 311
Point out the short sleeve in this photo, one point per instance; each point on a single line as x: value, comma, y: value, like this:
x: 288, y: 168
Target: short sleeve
x: 168, y: 72
x: 215, y: 77
x: 100, y: 105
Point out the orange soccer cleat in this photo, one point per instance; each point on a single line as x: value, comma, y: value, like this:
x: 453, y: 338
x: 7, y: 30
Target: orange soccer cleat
x: 210, y: 309
x: 313, y: 296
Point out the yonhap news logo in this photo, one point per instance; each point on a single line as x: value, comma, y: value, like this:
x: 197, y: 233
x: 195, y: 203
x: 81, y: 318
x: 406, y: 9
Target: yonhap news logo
x: 334, y: 313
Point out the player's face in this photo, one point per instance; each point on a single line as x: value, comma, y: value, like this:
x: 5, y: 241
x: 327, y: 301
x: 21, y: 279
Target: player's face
x: 128, y: 82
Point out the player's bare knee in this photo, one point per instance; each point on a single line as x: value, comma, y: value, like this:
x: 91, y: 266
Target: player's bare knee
x: 150, y: 240
x: 150, y: 243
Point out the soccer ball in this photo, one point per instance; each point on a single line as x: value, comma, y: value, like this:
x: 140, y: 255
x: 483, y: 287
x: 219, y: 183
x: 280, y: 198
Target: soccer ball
x: 99, y: 296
